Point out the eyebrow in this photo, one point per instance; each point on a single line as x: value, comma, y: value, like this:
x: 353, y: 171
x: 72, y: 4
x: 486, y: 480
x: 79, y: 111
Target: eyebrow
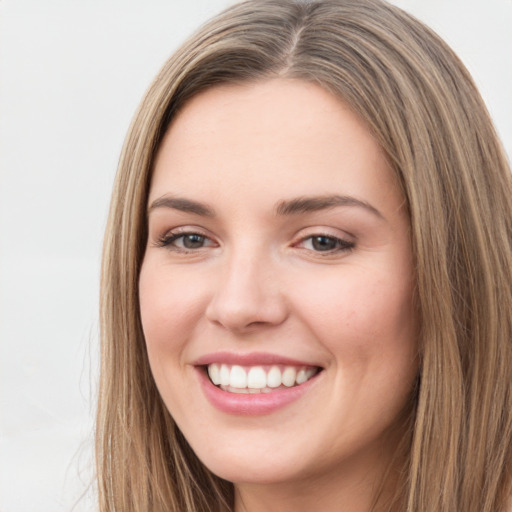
x: 297, y: 206
x: 316, y: 203
x: 183, y: 205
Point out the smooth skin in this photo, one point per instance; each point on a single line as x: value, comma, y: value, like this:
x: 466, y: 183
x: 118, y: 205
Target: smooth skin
x: 235, y: 266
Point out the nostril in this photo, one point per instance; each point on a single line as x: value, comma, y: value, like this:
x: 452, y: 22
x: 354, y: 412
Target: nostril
x: 243, y: 300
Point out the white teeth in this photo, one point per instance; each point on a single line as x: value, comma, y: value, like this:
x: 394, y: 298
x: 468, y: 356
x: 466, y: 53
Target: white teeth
x: 301, y: 376
x: 257, y: 379
x: 289, y: 376
x: 238, y: 377
x: 224, y: 375
x: 274, y: 377
x: 237, y: 390
x: 214, y: 373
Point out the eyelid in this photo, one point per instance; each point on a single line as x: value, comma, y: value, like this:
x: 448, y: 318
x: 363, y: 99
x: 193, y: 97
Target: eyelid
x: 169, y: 236
x: 345, y: 242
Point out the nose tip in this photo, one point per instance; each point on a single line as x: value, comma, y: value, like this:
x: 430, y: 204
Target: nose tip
x: 246, y: 300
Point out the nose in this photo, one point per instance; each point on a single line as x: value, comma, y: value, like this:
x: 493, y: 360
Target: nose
x: 247, y: 295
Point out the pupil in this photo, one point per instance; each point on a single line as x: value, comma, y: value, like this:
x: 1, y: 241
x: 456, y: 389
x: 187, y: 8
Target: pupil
x: 323, y: 243
x: 193, y: 241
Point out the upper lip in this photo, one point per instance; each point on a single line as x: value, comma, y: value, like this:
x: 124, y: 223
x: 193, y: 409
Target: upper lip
x: 250, y: 359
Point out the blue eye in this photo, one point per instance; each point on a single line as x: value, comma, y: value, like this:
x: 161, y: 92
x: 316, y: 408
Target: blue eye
x: 192, y: 241
x: 325, y: 243
x: 185, y: 241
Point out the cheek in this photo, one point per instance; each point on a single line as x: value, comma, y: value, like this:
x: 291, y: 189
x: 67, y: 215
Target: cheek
x: 368, y: 307
x: 384, y: 313
x: 170, y: 308
x: 368, y: 323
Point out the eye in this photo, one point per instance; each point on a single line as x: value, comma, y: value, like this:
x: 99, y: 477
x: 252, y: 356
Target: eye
x: 325, y: 244
x: 185, y: 241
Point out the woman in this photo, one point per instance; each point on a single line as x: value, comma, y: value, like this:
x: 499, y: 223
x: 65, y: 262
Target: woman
x: 306, y: 297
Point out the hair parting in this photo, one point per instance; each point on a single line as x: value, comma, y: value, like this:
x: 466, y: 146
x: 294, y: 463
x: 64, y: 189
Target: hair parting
x: 424, y: 110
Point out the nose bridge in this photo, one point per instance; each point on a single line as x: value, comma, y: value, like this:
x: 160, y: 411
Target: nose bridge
x: 247, y: 292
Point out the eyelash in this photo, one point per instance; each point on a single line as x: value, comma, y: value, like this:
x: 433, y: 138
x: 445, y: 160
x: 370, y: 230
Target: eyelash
x: 169, y: 239
x: 341, y: 245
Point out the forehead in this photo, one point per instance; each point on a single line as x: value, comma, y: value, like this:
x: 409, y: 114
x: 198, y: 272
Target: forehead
x: 269, y: 140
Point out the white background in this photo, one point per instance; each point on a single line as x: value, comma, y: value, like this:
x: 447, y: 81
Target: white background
x: 71, y: 75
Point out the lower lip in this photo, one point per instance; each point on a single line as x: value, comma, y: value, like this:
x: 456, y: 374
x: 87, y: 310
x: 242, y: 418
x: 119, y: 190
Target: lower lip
x: 247, y: 404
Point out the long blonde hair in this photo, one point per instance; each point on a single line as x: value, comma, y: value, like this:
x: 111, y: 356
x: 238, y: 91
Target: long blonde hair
x: 423, y: 108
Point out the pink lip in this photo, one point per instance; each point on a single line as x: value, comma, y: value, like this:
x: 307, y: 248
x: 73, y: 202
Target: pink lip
x: 242, y: 404
x: 251, y: 359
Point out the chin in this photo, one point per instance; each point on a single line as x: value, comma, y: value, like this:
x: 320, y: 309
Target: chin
x: 240, y: 471
x: 261, y: 464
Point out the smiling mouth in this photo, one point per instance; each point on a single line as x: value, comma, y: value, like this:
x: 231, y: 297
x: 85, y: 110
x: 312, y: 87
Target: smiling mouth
x: 259, y: 379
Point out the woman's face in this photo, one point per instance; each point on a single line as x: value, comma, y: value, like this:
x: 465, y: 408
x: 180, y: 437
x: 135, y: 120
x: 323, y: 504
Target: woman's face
x: 279, y: 260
